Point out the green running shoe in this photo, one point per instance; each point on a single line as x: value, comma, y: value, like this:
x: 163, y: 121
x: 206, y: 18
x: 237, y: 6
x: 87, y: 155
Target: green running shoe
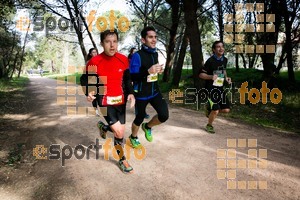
x: 148, y: 133
x: 101, y: 126
x: 135, y: 143
x: 125, y: 167
x: 210, y: 128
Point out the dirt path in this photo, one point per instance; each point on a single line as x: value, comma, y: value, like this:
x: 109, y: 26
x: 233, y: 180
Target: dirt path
x: 181, y: 162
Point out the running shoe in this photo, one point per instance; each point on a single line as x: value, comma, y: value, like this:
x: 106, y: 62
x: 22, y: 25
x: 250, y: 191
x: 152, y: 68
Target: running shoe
x: 135, y: 143
x: 148, y: 133
x: 125, y: 167
x: 210, y: 128
x: 101, y: 126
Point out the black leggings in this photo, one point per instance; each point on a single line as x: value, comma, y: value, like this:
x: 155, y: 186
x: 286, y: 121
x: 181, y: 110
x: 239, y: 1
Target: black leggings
x: 158, y: 103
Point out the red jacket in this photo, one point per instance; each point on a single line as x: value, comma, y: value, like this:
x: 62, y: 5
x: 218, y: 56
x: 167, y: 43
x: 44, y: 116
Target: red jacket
x: 110, y: 70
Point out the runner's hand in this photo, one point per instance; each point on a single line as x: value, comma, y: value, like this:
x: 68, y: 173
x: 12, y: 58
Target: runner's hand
x: 155, y: 68
x: 161, y: 70
x: 214, y: 77
x: 91, y: 97
x: 131, y: 99
x: 228, y: 79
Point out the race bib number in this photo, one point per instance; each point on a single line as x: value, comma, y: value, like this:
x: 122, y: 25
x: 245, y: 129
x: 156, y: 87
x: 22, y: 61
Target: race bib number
x: 152, y: 77
x: 114, y: 100
x: 219, y: 82
x: 220, y: 79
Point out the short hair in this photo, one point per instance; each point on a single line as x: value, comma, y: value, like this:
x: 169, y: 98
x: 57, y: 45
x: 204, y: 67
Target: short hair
x: 132, y: 49
x: 105, y: 33
x: 145, y: 30
x: 215, y: 44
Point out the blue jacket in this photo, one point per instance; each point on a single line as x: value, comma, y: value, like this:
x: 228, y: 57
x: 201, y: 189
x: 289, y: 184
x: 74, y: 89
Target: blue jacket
x: 140, y: 62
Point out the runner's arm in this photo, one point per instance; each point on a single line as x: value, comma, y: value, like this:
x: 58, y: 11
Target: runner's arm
x: 127, y: 82
x: 204, y: 72
x: 205, y: 76
x: 228, y: 79
x: 88, y: 79
x: 137, y: 72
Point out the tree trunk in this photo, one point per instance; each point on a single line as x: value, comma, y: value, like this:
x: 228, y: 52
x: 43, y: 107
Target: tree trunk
x: 220, y: 18
x: 281, y: 60
x: 288, y: 42
x: 237, y: 67
x: 77, y: 29
x: 23, y: 49
x: 190, y: 8
x: 252, y: 61
x: 244, y: 60
x: 178, y: 68
x: 170, y: 52
x: 15, y: 64
x: 270, y: 39
x: 86, y: 27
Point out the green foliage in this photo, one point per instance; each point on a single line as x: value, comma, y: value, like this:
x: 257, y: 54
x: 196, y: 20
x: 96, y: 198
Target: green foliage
x: 11, y: 94
x: 13, y: 84
x: 52, y: 55
x: 249, y: 75
x: 15, y: 155
x: 9, y: 40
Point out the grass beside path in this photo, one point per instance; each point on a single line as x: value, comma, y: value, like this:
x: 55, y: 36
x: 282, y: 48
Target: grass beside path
x: 12, y: 101
x: 11, y: 96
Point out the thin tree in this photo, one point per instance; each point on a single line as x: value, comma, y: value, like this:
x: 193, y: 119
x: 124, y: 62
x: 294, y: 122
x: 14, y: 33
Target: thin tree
x: 193, y: 33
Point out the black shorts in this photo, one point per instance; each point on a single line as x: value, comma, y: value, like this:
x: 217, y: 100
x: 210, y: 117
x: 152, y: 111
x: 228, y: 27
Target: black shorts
x: 157, y: 102
x: 218, y: 101
x: 115, y: 114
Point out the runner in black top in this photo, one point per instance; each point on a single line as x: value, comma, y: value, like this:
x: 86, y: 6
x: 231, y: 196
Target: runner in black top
x: 214, y: 72
x: 144, y: 70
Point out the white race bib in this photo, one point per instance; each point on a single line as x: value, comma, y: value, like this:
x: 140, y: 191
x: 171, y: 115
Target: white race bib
x: 114, y: 100
x: 220, y: 79
x: 219, y: 82
x: 152, y: 77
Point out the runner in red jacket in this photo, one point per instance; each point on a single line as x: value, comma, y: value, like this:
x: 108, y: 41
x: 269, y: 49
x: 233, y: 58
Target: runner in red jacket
x: 107, y: 74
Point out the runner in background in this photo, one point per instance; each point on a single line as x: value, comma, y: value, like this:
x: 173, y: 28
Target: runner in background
x: 214, y: 74
x: 93, y: 52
